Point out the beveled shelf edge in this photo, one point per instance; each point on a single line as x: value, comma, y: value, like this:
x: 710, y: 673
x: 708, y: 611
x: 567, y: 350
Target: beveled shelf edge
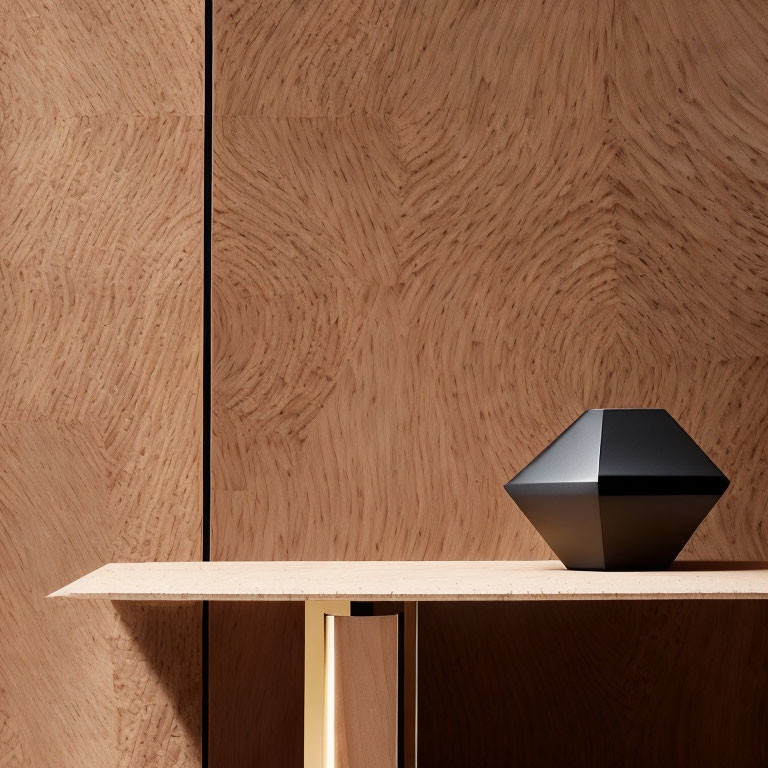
x: 413, y: 580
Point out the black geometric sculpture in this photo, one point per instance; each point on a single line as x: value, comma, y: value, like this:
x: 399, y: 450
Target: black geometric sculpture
x: 620, y: 489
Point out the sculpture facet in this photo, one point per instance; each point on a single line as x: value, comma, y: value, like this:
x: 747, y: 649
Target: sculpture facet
x: 620, y: 489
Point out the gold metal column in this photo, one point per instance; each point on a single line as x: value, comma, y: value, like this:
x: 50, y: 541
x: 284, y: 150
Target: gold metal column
x: 321, y: 680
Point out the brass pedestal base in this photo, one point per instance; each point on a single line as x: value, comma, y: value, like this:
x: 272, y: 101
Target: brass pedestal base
x: 360, y: 691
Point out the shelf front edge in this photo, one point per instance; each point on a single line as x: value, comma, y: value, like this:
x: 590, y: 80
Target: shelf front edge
x: 413, y: 580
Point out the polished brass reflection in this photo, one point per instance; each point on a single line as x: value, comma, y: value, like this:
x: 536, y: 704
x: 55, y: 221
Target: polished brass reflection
x: 320, y: 677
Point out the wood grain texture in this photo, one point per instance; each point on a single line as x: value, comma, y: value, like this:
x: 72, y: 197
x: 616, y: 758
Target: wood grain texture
x: 590, y: 684
x: 418, y: 290
x: 365, y: 716
x: 256, y: 684
x: 443, y: 230
x: 100, y: 292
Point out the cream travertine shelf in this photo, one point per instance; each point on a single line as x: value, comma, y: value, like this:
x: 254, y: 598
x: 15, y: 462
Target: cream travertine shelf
x: 413, y: 581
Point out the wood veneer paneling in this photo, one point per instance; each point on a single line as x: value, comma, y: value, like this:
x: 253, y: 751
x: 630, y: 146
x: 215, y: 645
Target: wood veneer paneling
x: 256, y: 684
x: 365, y: 717
x: 442, y: 230
x: 593, y: 684
x: 100, y: 341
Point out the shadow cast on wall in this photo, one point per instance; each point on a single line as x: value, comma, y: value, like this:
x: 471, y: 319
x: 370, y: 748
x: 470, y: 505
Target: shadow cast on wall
x: 593, y: 684
x: 501, y: 685
x: 257, y: 684
x: 162, y: 642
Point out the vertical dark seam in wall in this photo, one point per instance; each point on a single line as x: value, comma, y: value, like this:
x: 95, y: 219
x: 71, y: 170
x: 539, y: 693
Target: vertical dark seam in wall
x: 207, y: 392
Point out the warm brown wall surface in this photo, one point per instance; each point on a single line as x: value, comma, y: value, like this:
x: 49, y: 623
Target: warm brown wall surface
x: 100, y: 390
x: 589, y: 684
x: 441, y: 231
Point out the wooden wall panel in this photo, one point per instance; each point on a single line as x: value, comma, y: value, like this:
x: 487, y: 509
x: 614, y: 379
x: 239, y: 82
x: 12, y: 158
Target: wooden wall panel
x: 443, y: 230
x: 256, y: 684
x: 100, y: 391
x: 366, y: 695
x: 591, y: 684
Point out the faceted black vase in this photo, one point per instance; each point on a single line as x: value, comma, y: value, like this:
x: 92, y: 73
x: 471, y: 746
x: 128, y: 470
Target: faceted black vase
x: 620, y: 489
